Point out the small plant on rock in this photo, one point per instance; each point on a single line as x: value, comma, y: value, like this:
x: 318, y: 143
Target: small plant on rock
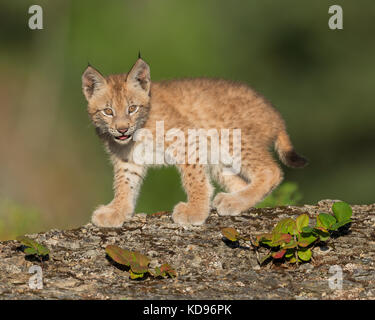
x: 33, y: 248
x: 138, y: 263
x: 293, y: 240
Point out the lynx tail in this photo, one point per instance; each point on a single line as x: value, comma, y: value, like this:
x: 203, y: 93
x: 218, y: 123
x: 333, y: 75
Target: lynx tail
x: 286, y: 152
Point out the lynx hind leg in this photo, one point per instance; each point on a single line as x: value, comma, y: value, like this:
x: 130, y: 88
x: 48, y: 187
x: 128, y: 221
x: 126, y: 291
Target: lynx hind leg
x: 198, y: 189
x: 264, y: 175
x: 232, y: 184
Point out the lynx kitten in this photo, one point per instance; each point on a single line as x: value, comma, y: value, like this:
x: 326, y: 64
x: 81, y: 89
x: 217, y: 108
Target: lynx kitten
x: 118, y: 105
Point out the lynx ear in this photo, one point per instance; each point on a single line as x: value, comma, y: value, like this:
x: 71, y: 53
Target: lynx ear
x: 92, y: 81
x: 139, y: 77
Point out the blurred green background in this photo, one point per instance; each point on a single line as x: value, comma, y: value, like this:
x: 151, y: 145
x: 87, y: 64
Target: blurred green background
x: 53, y: 168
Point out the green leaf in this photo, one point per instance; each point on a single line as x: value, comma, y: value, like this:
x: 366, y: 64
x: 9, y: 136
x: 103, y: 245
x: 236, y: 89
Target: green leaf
x: 30, y: 251
x: 307, y: 230
x: 42, y: 251
x: 322, y: 233
x: 289, y: 253
x: 265, y: 258
x: 342, y: 211
x: 304, y: 255
x: 37, y: 247
x: 230, y: 233
x: 302, y: 221
x: 291, y: 226
x: 304, y: 240
x: 325, y: 220
x: 293, y: 260
x: 340, y: 224
x: 283, y: 226
x: 292, y: 244
x: 136, y: 275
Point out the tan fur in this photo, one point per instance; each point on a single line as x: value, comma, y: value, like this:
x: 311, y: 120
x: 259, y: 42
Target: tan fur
x: 187, y: 104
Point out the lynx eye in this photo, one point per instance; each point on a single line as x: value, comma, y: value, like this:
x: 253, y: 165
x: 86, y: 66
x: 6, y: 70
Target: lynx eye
x: 132, y: 109
x: 108, y: 112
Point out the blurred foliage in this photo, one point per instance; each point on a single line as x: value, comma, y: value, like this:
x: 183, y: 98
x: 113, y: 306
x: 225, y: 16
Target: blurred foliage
x: 16, y: 219
x: 319, y: 79
x: 286, y: 194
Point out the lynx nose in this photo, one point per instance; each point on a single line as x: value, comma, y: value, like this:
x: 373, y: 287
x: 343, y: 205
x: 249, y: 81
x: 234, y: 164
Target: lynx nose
x: 122, y: 130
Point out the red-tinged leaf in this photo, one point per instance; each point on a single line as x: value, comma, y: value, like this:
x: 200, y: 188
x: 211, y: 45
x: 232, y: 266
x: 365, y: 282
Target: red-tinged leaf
x: 279, y: 254
x: 266, y: 239
x: 156, y: 272
x: 167, y: 269
x: 119, y: 255
x: 287, y: 225
x: 230, y: 233
x: 283, y: 226
x: 283, y: 238
x: 264, y: 236
x: 321, y: 229
x: 141, y: 259
x: 305, y: 241
x: 137, y: 268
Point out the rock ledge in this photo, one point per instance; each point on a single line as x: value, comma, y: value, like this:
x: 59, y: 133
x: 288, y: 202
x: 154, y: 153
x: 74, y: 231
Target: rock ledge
x: 208, y: 268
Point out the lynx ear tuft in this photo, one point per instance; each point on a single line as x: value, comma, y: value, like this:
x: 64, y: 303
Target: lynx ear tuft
x: 139, y: 76
x: 92, y: 80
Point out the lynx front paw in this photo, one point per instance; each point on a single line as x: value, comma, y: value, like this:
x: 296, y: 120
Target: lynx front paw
x: 185, y: 214
x: 228, y: 204
x: 106, y: 216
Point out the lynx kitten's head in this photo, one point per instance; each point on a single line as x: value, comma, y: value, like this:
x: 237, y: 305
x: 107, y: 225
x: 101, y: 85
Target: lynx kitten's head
x: 118, y: 105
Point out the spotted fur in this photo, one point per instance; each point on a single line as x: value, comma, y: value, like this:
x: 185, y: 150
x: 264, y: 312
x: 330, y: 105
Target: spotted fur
x: 186, y: 104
